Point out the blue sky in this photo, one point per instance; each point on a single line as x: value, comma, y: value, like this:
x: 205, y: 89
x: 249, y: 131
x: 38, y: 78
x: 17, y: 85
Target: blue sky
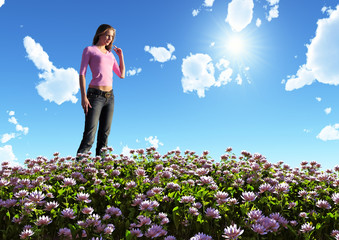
x: 259, y: 76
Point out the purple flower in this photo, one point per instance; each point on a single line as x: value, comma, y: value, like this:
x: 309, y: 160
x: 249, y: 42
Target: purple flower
x: 69, y: 182
x: 323, y: 204
x: 51, y: 205
x: 26, y: 233
x: 335, y: 198
x: 248, y: 196
x: 187, y: 199
x: 109, y: 229
x: 193, y: 211
x: 307, y: 227
x: 36, y: 196
x: 170, y: 238
x: 213, y: 213
x: 155, y: 231
x: 232, y: 232
x: 66, y: 232
x: 21, y: 194
x: 87, y: 210
x: 83, y: 197
x: 68, y: 213
x: 255, y: 214
x: 201, y: 236
x: 258, y: 228
x: 43, y: 220
x: 113, y: 211
x: 136, y: 232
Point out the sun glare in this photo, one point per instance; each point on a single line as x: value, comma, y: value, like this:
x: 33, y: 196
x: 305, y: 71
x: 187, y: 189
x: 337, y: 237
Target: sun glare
x: 236, y: 45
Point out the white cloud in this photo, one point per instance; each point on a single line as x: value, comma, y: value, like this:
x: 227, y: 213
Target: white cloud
x: 7, y: 155
x: 273, y: 2
x: 208, y: 3
x: 329, y: 133
x: 154, y: 141
x: 6, y: 137
x: 11, y: 113
x: 273, y: 13
x: 328, y: 110
x: 212, y: 44
x: 318, y: 99
x: 258, y: 22
x: 304, y: 77
x: 322, y: 55
x: 240, y: 13
x: 126, y: 151
x: 307, y: 130
x: 198, y: 73
x: 13, y: 120
x: 239, y: 79
x: 134, y: 71
x: 59, y: 85
x: 2, y: 2
x: 161, y: 54
x: 195, y: 12
x: 22, y: 129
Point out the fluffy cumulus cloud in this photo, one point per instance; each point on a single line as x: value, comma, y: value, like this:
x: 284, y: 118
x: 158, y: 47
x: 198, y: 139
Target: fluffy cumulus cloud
x: 329, y: 132
x: 6, y: 137
x: 154, y: 141
x: 7, y: 155
x: 2, y: 2
x: 240, y: 14
x: 273, y: 11
x: 322, y: 56
x: 198, y: 73
x: 59, y: 85
x: 133, y: 71
x: 161, y: 54
x: 258, y: 22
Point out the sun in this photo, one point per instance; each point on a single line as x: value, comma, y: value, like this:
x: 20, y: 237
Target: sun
x: 236, y: 45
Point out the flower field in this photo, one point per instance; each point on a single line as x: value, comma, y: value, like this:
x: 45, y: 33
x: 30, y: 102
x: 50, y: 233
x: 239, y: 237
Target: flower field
x: 180, y: 196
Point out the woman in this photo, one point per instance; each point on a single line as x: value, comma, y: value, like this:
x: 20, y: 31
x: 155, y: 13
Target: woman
x: 98, y: 103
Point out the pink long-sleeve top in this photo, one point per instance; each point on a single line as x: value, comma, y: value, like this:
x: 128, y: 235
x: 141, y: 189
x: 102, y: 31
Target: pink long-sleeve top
x: 102, y: 66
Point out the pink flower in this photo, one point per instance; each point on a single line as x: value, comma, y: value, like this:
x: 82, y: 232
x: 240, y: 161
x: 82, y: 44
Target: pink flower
x: 201, y: 236
x: 109, y: 229
x: 232, y: 232
x: 136, y: 232
x: 68, y: 213
x: 51, y: 205
x: 255, y: 214
x: 258, y: 228
x: 155, y: 231
x: 143, y: 220
x: 83, y: 197
x: 193, y: 211
x: 248, y: 196
x: 113, y: 211
x: 21, y: 194
x: 335, y: 198
x: 36, y: 196
x: 323, y: 204
x: 187, y: 199
x: 307, y: 227
x: 69, y: 182
x: 43, y: 220
x: 66, y: 232
x: 213, y: 213
x: 26, y: 233
x: 87, y: 210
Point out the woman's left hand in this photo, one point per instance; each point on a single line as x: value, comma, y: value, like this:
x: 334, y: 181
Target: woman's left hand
x: 118, y: 51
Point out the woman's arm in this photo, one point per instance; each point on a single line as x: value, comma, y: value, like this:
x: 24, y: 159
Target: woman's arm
x: 118, y: 51
x: 84, y: 100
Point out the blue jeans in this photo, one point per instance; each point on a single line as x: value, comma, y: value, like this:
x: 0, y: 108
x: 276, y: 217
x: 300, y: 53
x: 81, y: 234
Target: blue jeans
x: 101, y: 112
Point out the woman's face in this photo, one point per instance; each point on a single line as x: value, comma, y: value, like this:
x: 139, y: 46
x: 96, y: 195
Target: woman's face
x: 106, y: 38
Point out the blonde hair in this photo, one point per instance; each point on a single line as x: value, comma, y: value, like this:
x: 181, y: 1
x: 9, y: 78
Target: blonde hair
x: 102, y: 29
